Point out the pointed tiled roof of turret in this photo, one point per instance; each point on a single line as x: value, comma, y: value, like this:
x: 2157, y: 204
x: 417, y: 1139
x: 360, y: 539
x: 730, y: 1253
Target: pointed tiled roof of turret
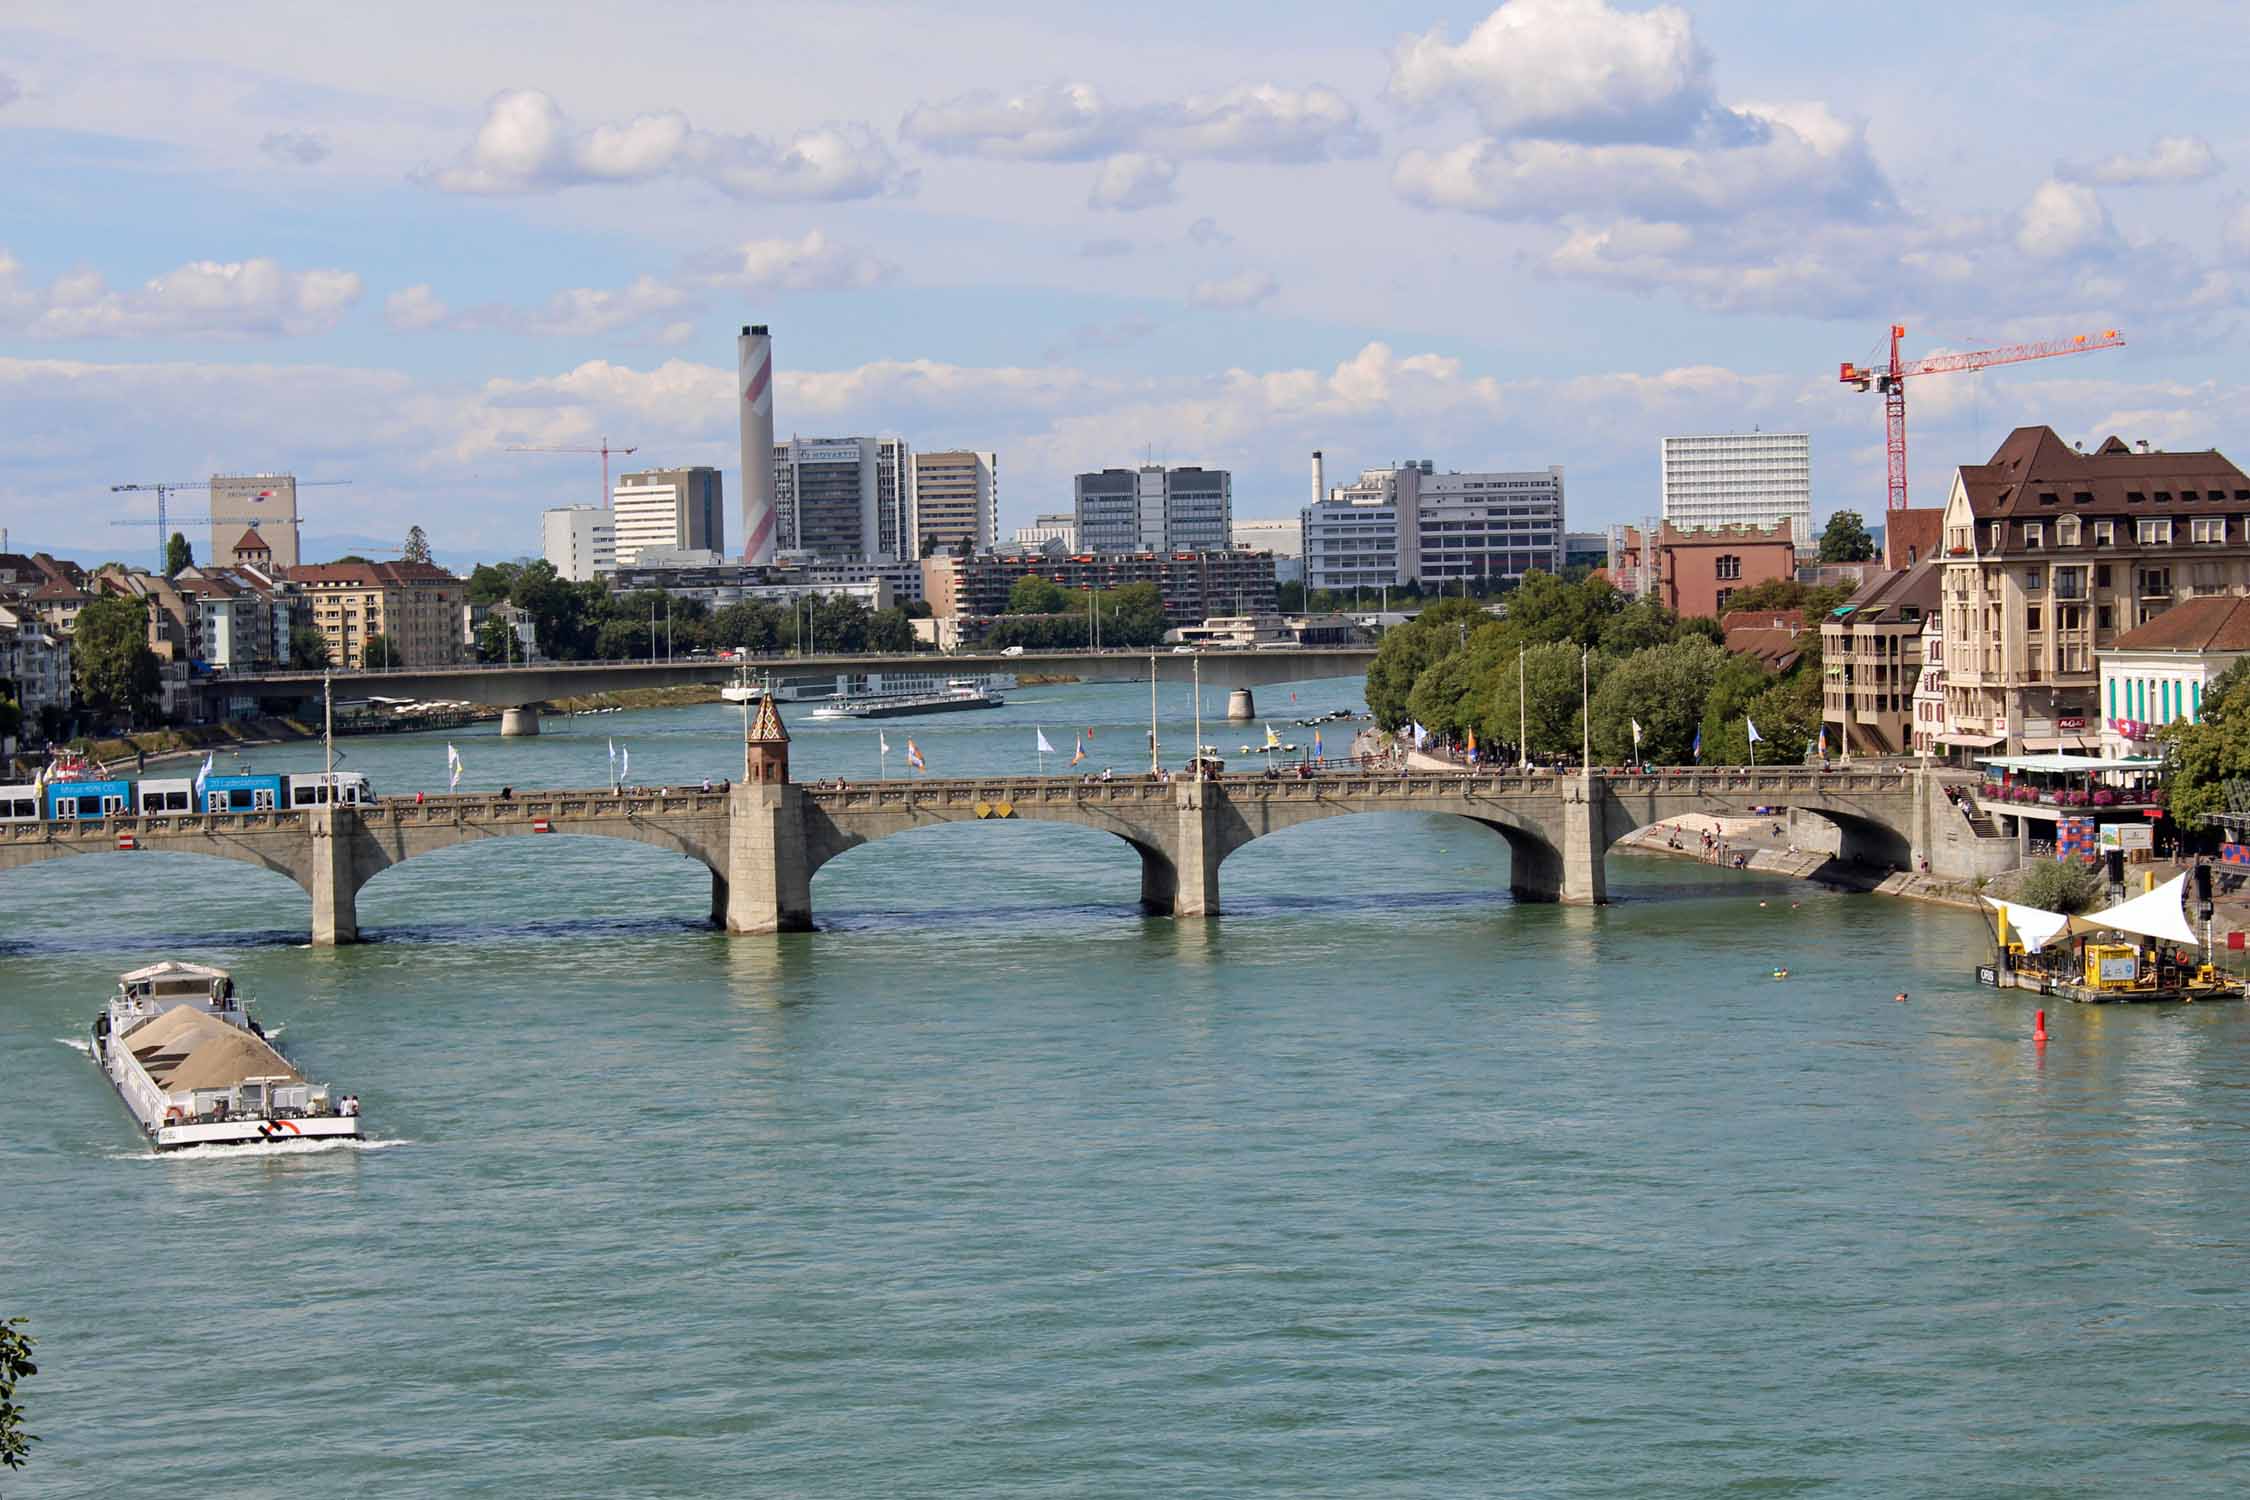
x: 768, y: 728
x: 250, y: 541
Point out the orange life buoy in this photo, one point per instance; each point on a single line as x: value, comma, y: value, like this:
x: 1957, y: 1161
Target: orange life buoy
x: 172, y: 1116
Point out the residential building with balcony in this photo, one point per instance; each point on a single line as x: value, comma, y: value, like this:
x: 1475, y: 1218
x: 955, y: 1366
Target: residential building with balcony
x: 2052, y: 554
x: 415, y: 606
x: 1872, y: 658
x: 1930, y: 725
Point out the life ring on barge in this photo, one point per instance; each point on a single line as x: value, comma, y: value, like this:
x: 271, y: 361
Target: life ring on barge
x: 173, y: 1115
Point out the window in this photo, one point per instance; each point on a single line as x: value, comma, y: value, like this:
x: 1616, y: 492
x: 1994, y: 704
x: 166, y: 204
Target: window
x: 2155, y: 581
x: 2033, y: 580
x: 2209, y: 529
x: 2034, y: 535
x: 1723, y: 596
x: 2066, y: 532
x: 2156, y: 533
x: 2070, y: 583
x: 2105, y: 533
x: 1998, y: 529
x: 2031, y: 618
x: 1728, y: 566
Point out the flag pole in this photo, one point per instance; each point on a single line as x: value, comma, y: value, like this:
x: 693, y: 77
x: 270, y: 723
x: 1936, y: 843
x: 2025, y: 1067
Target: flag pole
x: 1523, y: 717
x: 1198, y: 660
x: 1750, y: 725
x: 1155, y: 764
x: 1585, y: 715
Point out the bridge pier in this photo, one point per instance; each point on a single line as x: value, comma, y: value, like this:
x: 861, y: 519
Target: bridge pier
x: 768, y: 884
x: 516, y: 721
x: 1585, y: 844
x: 1196, y: 851
x: 1240, y: 705
x: 334, y: 882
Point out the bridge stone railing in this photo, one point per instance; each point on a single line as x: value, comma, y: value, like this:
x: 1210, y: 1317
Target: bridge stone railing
x: 104, y: 831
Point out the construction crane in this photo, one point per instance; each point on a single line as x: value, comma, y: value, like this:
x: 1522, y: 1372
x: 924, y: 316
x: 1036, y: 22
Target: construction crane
x: 1892, y: 382
x: 165, y: 521
x: 605, y: 450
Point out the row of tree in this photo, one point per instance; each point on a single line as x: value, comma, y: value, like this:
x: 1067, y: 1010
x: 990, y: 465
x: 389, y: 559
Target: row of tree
x: 586, y: 621
x: 1524, y: 684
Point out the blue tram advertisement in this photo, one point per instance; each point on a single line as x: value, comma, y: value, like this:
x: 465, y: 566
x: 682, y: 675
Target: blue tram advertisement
x: 84, y: 800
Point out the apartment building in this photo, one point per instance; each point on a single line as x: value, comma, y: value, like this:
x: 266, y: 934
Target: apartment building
x: 1930, y: 726
x: 2051, y: 554
x: 1194, y: 585
x: 1759, y: 479
x: 1411, y: 522
x: 665, y: 510
x: 34, y: 664
x: 415, y: 606
x: 579, y: 541
x: 1872, y: 659
x: 2156, y: 674
x: 845, y: 497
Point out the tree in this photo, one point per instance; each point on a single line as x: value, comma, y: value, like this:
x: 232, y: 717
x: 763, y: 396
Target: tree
x: 1846, y: 539
x: 1663, y: 688
x: 2062, y: 885
x: 563, y: 615
x: 489, y: 583
x: 622, y: 638
x: 496, y: 640
x: 177, y: 555
x: 1788, y: 593
x: 116, y: 673
x: 748, y: 626
x: 308, y: 648
x: 378, y: 652
x: 15, y: 1365
x: 417, y: 548
x: 890, y: 630
x: 11, y: 717
x: 1034, y: 595
x: 1551, y: 699
x: 1411, y: 650
x: 2210, y: 758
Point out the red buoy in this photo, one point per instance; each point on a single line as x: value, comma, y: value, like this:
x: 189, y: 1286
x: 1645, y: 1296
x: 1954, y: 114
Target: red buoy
x: 2039, y: 1027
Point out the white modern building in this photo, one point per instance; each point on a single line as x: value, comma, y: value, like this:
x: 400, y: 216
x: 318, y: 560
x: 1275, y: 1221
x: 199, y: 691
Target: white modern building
x: 668, y: 508
x: 846, y: 497
x: 956, y: 501
x: 1055, y: 527
x: 1283, y: 536
x: 1410, y: 522
x: 1154, y: 509
x: 579, y: 541
x: 1739, y: 479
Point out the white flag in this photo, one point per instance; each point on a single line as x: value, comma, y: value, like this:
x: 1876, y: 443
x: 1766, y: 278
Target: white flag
x: 1273, y: 741
x: 883, y: 742
x: 1044, y: 747
x: 1753, y: 723
x: 201, y: 777
x: 1636, y: 732
x: 453, y: 768
x: 613, y: 761
x: 624, y: 763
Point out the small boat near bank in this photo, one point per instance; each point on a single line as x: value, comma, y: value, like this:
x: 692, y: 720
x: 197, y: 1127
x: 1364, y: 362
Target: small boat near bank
x: 195, y: 1070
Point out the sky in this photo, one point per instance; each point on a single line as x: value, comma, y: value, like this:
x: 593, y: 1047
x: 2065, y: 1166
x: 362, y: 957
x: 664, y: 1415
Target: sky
x: 388, y: 244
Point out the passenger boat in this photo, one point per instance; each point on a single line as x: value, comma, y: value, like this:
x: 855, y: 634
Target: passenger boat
x: 196, y: 1070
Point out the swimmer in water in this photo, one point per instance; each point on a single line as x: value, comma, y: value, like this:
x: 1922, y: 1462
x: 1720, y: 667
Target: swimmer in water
x: 1902, y: 997
x: 1781, y: 973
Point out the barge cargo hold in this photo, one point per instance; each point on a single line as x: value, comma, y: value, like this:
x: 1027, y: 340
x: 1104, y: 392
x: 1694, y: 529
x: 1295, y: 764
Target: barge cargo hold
x: 196, y: 1070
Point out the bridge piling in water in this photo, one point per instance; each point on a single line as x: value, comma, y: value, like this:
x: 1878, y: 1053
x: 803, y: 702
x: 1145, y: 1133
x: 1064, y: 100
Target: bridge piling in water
x: 520, y: 720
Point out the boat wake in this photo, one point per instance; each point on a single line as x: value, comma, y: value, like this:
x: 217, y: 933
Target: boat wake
x: 254, y: 1150
x: 77, y: 1044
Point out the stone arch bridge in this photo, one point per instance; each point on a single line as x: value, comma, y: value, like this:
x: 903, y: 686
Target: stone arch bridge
x: 763, y: 843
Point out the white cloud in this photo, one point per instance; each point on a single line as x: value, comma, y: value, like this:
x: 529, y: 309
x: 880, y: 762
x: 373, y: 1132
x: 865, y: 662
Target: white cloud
x: 580, y: 311
x: 302, y: 148
x: 2172, y: 158
x: 1570, y: 69
x: 1133, y: 180
x: 2062, y: 219
x: 1247, y: 289
x: 814, y: 263
x: 1072, y: 122
x: 247, y: 299
x: 1795, y: 158
x: 414, y: 309
x: 526, y: 144
x: 1206, y: 231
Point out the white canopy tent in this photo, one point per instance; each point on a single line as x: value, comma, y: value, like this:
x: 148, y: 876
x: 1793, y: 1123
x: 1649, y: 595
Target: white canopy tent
x: 2155, y: 914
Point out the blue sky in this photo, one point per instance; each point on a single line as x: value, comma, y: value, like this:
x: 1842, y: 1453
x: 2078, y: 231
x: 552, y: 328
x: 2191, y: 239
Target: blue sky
x: 386, y: 245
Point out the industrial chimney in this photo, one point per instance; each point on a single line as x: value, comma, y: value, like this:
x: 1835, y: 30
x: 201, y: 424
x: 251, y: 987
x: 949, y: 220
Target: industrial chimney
x: 1319, y: 479
x: 754, y: 358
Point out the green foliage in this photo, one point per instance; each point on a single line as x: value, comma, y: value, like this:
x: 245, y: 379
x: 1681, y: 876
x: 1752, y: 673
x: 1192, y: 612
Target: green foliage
x: 2210, y: 759
x: 11, y: 717
x: 747, y: 626
x: 308, y: 648
x: 15, y: 1364
x: 378, y: 652
x: 1411, y: 650
x: 417, y: 548
x: 1786, y: 710
x: 496, y: 641
x: 115, y: 671
x: 1551, y: 717
x: 1034, y: 595
x: 1788, y: 593
x: 1663, y: 687
x: 890, y: 630
x: 177, y: 555
x: 1846, y: 539
x: 489, y: 583
x: 2062, y: 885
x: 622, y: 638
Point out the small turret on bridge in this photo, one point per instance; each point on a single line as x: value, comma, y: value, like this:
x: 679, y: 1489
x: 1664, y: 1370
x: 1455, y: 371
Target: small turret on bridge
x: 764, y: 838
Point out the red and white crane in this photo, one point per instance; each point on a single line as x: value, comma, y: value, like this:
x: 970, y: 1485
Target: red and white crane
x: 1892, y: 382
x: 605, y: 450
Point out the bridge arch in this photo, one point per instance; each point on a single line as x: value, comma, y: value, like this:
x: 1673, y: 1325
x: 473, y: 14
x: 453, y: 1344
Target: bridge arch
x: 831, y: 836
x: 17, y: 855
x: 1535, y: 859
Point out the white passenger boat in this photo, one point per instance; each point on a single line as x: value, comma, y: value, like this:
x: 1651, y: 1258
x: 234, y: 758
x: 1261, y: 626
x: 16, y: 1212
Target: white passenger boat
x: 195, y: 1070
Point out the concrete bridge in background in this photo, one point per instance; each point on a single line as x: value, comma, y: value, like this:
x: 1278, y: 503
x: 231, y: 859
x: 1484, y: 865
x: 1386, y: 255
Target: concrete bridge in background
x: 518, y: 686
x: 762, y: 843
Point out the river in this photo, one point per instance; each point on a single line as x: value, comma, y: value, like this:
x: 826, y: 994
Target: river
x: 1378, y: 1185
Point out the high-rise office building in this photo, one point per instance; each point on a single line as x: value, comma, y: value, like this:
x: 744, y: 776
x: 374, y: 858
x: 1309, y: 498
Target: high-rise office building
x: 264, y: 502
x: 580, y: 541
x: 846, y: 497
x: 956, y: 500
x: 1410, y: 522
x: 1739, y: 479
x: 668, y: 510
x: 1155, y: 509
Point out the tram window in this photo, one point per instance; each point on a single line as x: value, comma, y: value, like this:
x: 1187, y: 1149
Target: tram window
x: 112, y: 805
x: 263, y: 799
